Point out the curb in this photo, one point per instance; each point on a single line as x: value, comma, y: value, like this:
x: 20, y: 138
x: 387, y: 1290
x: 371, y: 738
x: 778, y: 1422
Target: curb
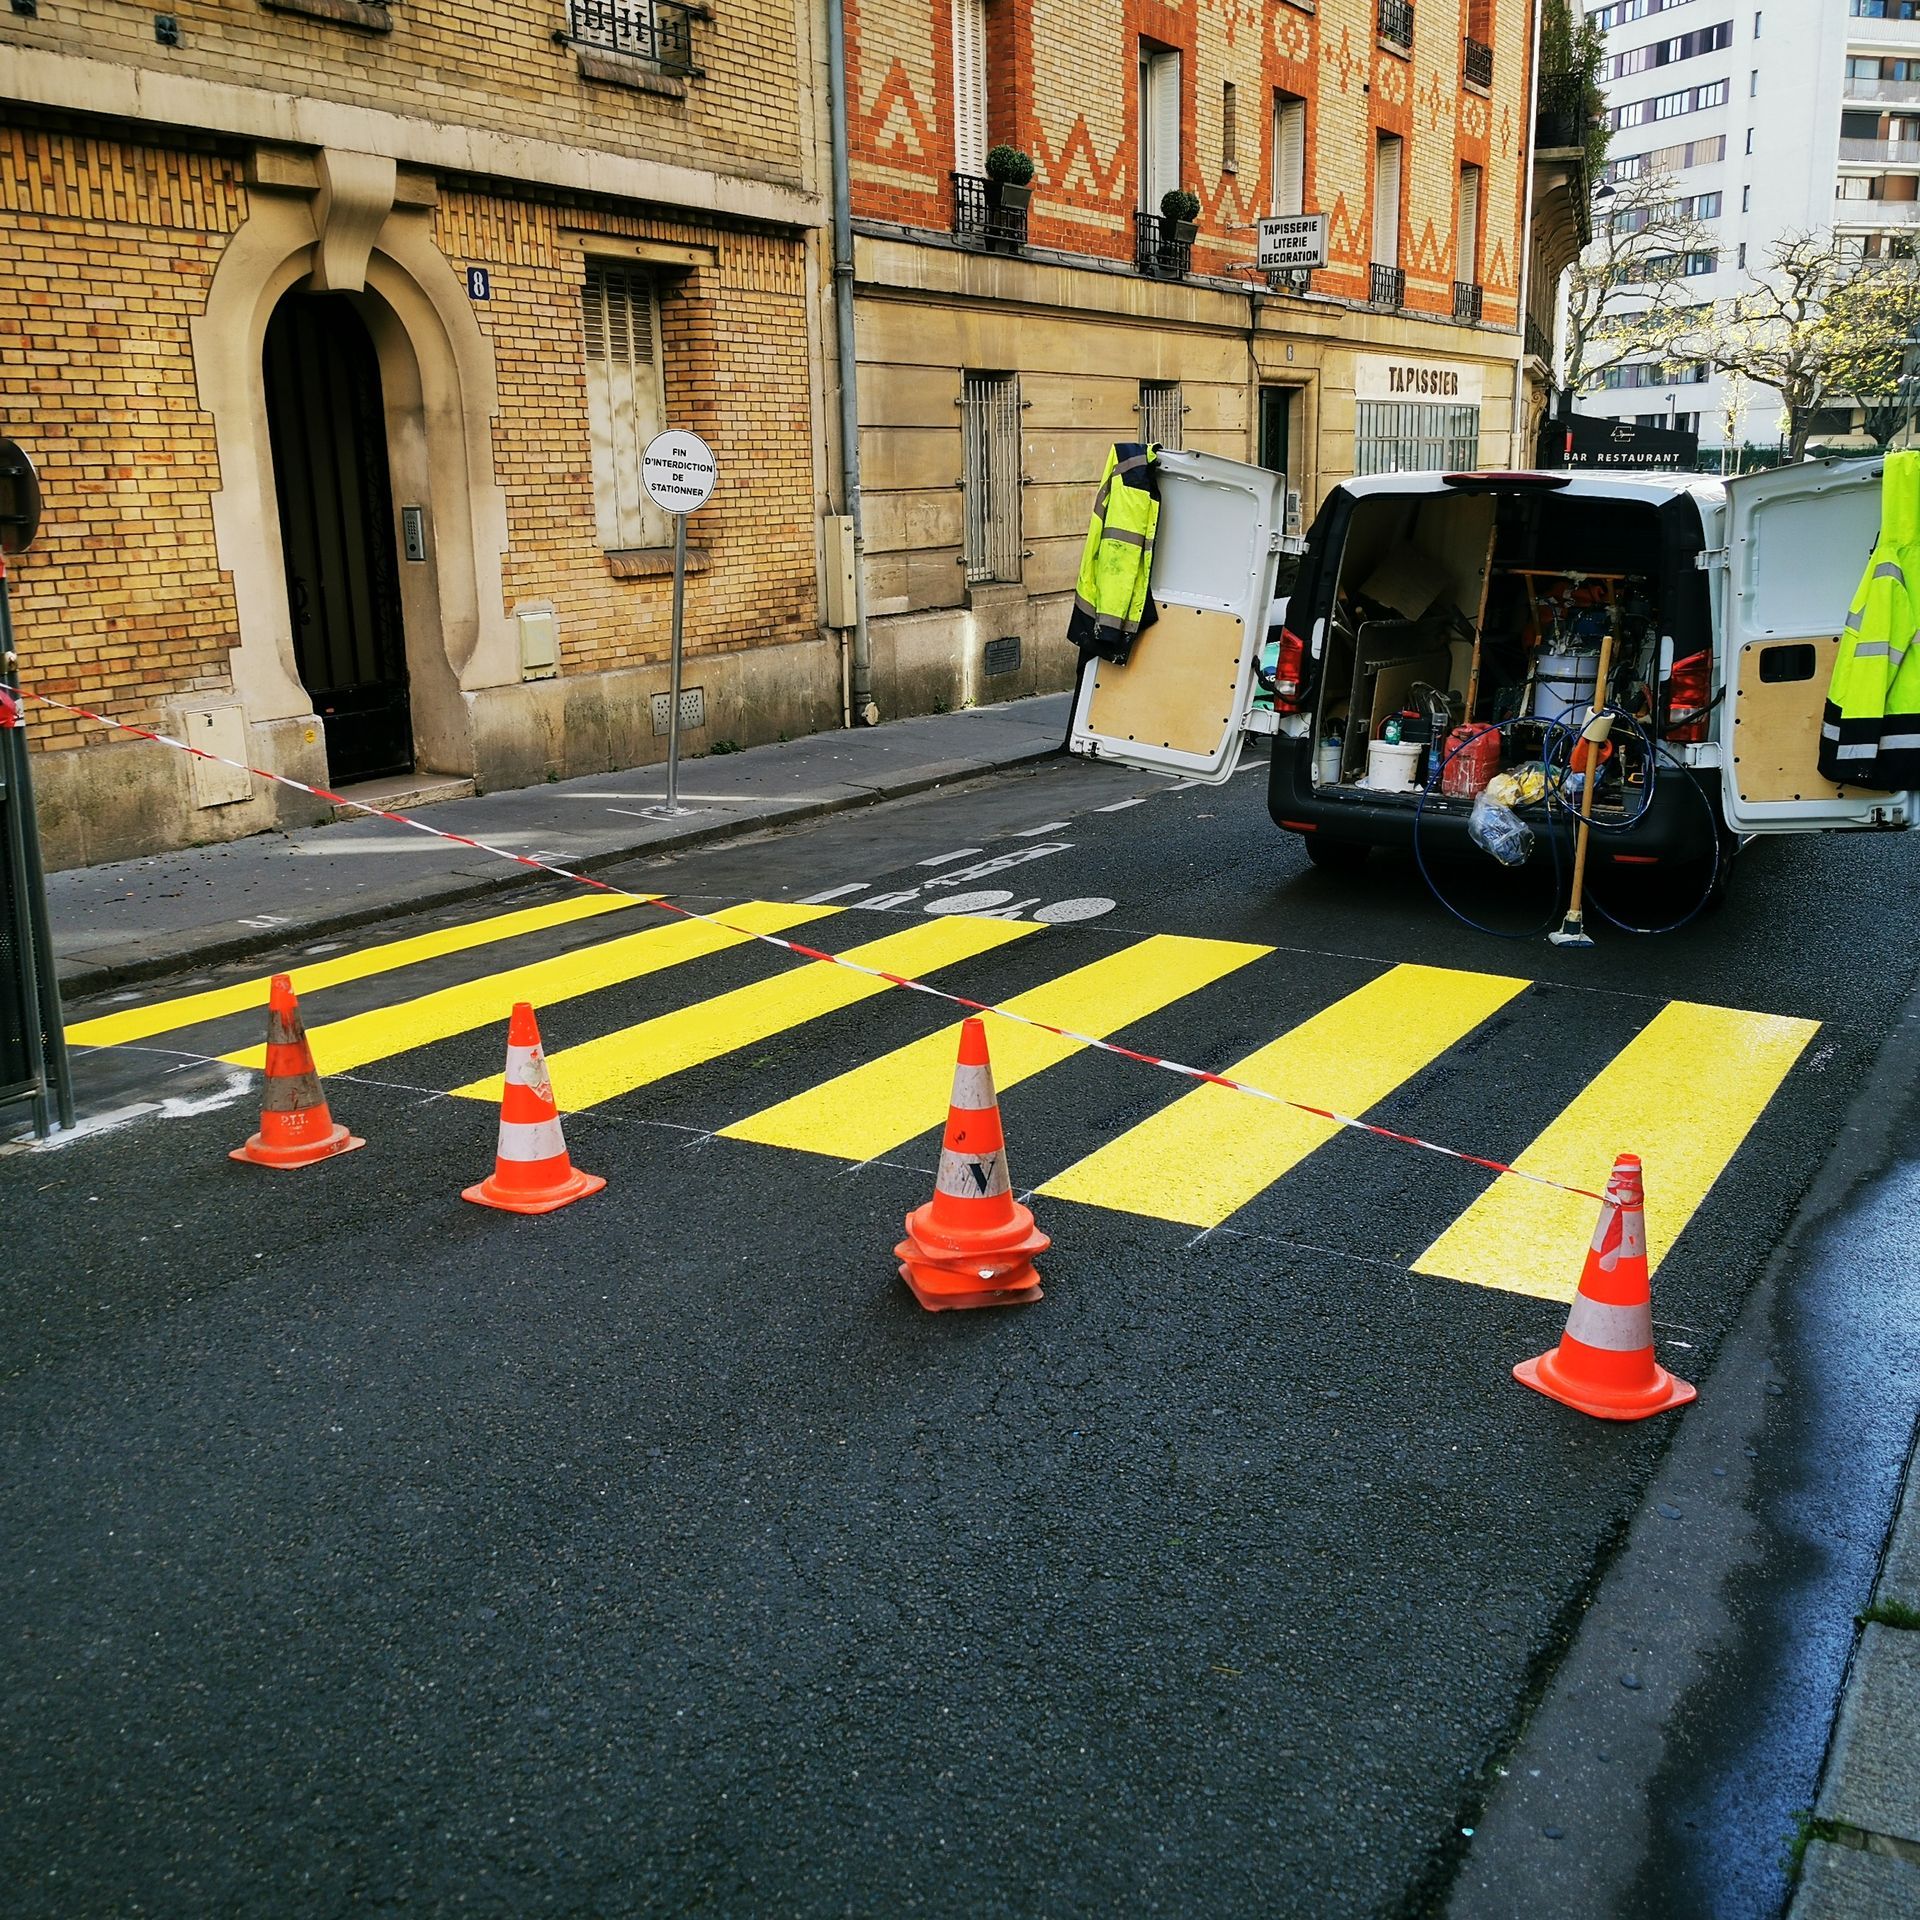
x: 80, y: 979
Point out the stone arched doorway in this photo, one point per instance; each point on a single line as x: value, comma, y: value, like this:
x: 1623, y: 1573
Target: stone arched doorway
x: 327, y: 427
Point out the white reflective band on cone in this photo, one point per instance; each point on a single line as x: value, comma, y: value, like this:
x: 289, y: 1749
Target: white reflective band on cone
x: 966, y: 1176
x: 972, y: 1089
x: 1628, y: 1233
x: 527, y: 1067
x: 531, y: 1140
x: 1615, y: 1329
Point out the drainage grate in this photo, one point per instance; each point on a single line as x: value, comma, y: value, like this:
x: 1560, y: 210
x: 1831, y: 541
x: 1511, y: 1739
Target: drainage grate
x: 1003, y: 655
x: 693, y: 708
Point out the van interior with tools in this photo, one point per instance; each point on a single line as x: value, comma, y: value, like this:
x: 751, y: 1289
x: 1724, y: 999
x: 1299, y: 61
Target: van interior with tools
x: 1446, y: 638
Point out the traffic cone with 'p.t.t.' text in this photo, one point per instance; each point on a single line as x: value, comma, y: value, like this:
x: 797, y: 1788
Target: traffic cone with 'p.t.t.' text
x: 972, y: 1244
x: 295, y: 1127
x: 1604, y: 1364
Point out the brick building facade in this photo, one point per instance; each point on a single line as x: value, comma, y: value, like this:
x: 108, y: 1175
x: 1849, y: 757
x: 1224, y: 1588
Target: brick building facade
x: 1002, y: 352
x: 334, y: 329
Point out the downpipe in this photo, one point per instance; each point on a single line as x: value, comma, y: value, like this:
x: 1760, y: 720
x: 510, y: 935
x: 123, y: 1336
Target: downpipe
x: 858, y: 704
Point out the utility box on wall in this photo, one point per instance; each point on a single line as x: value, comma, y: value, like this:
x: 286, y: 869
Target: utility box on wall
x: 842, y: 581
x: 539, y: 642
x: 221, y: 730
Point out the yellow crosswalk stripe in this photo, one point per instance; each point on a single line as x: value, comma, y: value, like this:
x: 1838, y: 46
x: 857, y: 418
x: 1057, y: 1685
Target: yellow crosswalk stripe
x: 189, y: 1010
x: 1210, y: 1152
x: 1682, y: 1094
x: 670, y: 1043
x: 874, y: 1108
x: 342, y: 1045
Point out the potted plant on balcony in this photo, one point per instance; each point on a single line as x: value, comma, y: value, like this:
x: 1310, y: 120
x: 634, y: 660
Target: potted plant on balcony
x: 1009, y: 179
x: 1181, y: 211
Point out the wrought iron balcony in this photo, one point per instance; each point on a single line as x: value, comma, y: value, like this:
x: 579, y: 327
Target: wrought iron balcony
x: 1387, y: 286
x: 981, y: 221
x: 1294, y: 280
x: 1396, y: 21
x: 1156, y: 251
x: 1466, y: 301
x: 1539, y: 341
x: 1476, y: 63
x: 1565, y: 106
x: 658, y: 31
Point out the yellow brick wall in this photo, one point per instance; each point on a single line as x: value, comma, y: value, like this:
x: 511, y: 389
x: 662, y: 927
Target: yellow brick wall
x: 734, y: 345
x: 463, y: 63
x: 106, y: 252
x: 107, y: 249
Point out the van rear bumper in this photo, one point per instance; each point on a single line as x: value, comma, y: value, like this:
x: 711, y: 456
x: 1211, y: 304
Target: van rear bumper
x: 1675, y: 830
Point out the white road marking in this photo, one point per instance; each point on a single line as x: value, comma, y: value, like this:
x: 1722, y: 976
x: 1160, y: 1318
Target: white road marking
x: 1034, y: 833
x: 836, y: 893
x: 1001, y: 862
x: 970, y: 902
x: 960, y: 853
x: 1089, y: 908
x: 1120, y: 806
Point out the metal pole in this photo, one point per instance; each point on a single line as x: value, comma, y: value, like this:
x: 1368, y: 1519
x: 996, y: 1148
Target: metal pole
x: 40, y: 992
x: 1518, y: 455
x: 673, y: 681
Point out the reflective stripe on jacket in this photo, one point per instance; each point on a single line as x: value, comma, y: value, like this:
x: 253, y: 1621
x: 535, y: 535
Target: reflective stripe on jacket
x: 1110, y: 604
x: 1870, y: 732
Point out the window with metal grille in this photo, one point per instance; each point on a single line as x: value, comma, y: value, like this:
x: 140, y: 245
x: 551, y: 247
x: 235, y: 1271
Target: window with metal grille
x: 1414, y: 436
x: 626, y: 405
x: 990, y: 420
x: 1160, y: 411
x: 1229, y: 127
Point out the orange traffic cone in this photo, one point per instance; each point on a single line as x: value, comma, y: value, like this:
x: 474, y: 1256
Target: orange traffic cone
x: 972, y: 1244
x: 532, y: 1172
x: 1604, y: 1364
x: 295, y: 1126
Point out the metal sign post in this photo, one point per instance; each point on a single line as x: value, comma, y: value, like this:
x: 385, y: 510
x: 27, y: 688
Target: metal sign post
x: 33, y: 1048
x: 678, y: 472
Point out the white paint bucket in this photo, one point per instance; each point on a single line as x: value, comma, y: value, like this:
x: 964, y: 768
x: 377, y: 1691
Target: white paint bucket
x: 1390, y: 766
x: 1563, y: 686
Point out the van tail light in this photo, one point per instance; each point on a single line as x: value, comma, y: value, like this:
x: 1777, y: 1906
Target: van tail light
x: 1687, y: 694
x: 1289, y: 673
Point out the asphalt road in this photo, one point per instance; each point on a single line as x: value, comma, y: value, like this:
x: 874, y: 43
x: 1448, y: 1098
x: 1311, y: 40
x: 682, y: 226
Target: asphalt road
x: 369, y: 1551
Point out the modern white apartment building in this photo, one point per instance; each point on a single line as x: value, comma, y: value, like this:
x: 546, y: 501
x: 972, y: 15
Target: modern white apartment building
x: 1787, y: 116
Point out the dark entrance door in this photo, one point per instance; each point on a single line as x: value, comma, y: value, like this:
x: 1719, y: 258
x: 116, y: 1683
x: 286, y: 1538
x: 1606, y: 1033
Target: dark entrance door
x: 329, y: 432
x: 1276, y: 408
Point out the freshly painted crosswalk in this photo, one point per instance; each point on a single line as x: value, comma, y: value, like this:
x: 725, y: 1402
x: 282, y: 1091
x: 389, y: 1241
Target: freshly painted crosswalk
x: 1203, y: 1158
x: 1713, y: 1071
x: 652, y: 1050
x: 1197, y: 1157
x: 342, y: 1046
x: 874, y: 1108
x: 129, y: 1024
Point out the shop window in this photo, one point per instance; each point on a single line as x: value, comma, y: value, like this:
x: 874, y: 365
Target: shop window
x: 626, y: 404
x: 990, y: 422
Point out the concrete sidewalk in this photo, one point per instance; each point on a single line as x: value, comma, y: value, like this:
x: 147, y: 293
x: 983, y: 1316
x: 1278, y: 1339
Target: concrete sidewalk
x: 132, y: 919
x: 1864, y: 1860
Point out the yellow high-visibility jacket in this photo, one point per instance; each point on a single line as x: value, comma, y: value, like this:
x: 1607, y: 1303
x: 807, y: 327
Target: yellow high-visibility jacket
x: 1870, y: 733
x: 1110, y: 603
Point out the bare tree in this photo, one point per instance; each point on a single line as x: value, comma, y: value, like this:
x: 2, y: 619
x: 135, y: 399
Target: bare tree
x: 1873, y: 317
x: 1626, y: 295
x: 1776, y: 332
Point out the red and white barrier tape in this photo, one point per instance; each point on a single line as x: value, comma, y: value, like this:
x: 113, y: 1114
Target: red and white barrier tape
x: 814, y: 953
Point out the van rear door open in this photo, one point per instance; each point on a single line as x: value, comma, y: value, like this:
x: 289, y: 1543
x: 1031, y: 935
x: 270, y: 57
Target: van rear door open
x: 1181, y: 701
x: 1798, y: 540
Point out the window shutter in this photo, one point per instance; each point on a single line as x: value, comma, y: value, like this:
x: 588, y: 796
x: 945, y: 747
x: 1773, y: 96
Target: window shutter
x: 1159, y: 127
x: 970, y: 86
x: 1289, y: 154
x: 1386, y: 202
x: 625, y: 408
x: 1467, y: 265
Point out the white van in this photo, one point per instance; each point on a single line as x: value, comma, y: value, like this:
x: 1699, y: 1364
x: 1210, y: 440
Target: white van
x: 1426, y: 604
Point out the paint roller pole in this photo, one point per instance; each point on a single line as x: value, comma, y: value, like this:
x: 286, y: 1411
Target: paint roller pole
x: 1572, y: 931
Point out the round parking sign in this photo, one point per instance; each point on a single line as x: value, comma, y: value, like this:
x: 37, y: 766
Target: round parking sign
x: 678, y: 471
